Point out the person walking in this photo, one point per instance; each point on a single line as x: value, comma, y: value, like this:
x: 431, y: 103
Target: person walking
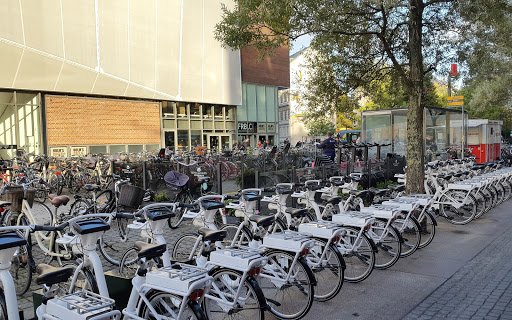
x: 328, y: 146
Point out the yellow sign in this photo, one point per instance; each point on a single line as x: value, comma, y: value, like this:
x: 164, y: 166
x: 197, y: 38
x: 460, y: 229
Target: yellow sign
x: 455, y: 103
x: 456, y: 98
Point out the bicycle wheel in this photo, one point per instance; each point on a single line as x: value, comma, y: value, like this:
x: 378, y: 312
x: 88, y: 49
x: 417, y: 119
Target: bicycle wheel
x: 3, y: 305
x: 42, y: 215
x: 175, y: 221
x: 328, y: 267
x: 21, y: 270
x: 112, y: 244
x: 183, y: 248
x: 480, y: 204
x: 79, y: 207
x: 428, y: 229
x: 290, y: 299
x: 105, y: 200
x: 358, y: 253
x: 462, y: 215
x: 220, y: 302
x: 243, y: 238
x: 411, y: 233
x: 168, y: 305
x: 388, y: 242
x: 55, y: 183
x: 85, y: 280
x: 128, y: 265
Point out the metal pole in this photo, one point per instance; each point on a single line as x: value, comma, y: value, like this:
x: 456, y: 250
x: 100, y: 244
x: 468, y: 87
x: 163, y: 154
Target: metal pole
x: 256, y: 179
x: 219, y: 178
x: 144, y: 175
x: 463, y: 132
x: 242, y: 171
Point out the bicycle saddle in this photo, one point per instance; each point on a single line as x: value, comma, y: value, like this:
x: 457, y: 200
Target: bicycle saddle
x: 212, y: 235
x: 262, y: 221
x: 51, y: 275
x: 57, y: 201
x: 378, y: 192
x: 150, y: 250
x: 297, y: 213
x: 333, y: 200
x: 92, y: 187
x: 396, y: 187
x: 359, y: 193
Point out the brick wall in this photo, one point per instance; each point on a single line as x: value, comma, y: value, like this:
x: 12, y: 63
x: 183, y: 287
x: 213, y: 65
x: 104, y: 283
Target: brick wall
x: 272, y: 70
x: 89, y: 121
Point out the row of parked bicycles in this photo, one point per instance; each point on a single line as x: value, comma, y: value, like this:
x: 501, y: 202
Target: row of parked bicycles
x: 293, y: 244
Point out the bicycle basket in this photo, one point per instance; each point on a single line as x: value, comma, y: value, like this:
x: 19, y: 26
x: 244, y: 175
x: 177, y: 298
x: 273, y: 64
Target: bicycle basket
x: 131, y: 196
x: 14, y: 195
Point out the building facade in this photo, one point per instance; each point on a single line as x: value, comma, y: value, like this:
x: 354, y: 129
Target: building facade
x: 116, y: 76
x: 262, y: 82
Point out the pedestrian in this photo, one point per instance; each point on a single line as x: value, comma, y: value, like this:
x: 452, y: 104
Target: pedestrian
x: 259, y: 144
x: 265, y: 144
x: 328, y: 146
x: 235, y: 146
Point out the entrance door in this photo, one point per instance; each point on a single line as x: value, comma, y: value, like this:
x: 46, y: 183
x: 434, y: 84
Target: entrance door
x: 219, y: 141
x: 169, y: 140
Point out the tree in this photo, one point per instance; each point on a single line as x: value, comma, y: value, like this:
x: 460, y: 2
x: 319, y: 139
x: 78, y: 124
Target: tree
x: 358, y: 41
x: 320, y: 127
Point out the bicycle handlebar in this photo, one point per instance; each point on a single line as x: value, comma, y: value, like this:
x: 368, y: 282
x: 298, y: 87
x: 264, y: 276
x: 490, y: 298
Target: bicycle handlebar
x: 60, y: 227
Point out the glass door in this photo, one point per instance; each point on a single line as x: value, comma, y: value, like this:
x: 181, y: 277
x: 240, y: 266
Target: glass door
x: 219, y: 142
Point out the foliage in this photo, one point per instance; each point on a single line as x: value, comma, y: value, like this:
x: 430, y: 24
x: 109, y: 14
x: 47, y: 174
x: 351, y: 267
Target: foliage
x: 161, y: 197
x: 320, y: 127
x: 384, y: 184
x: 249, y: 179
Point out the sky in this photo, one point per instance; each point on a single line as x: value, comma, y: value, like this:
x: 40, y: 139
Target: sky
x: 300, y: 43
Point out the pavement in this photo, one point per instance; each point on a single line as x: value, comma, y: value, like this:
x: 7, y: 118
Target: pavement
x: 465, y: 273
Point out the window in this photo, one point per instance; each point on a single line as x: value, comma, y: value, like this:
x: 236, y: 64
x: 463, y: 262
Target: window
x: 195, y: 110
x: 182, y: 109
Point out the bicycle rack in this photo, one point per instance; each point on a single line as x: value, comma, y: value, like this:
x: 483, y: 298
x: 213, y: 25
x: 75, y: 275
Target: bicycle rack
x: 288, y: 241
x: 239, y: 258
x: 321, y: 229
x: 82, y: 305
x: 179, y: 277
x: 352, y: 218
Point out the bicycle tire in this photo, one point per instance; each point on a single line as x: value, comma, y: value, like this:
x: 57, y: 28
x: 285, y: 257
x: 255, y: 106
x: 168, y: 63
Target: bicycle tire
x: 411, y: 234
x: 243, y: 239
x: 459, y: 216
x: 182, y: 249
x: 428, y: 229
x: 301, y: 298
x: 389, y: 245
x: 225, y: 283
x: 112, y: 242
x: 80, y: 207
x: 329, y: 273
x: 174, y: 222
x: 128, y: 265
x: 21, y: 270
x: 3, y: 305
x: 359, y: 256
x: 192, y: 311
x: 85, y: 281
x: 105, y: 201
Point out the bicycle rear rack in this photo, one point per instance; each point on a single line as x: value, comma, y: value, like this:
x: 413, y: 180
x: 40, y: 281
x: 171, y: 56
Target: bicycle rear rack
x: 239, y: 258
x: 179, y: 277
x: 83, y: 305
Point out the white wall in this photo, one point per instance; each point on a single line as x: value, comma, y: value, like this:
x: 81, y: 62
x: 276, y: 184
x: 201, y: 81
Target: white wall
x: 161, y: 49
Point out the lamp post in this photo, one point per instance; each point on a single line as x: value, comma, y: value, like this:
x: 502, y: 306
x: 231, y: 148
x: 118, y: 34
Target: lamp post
x: 456, y: 101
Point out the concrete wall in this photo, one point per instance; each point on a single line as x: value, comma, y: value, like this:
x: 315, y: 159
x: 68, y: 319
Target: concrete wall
x: 155, y: 49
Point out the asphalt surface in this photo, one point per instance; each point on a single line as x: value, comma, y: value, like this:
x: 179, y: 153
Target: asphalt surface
x: 464, y: 273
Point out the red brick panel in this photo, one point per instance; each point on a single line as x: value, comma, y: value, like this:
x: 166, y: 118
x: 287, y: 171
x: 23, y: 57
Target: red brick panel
x: 88, y: 121
x: 272, y: 70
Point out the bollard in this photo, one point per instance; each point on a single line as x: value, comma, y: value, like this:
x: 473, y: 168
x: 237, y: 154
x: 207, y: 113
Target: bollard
x: 219, y: 178
x: 144, y: 182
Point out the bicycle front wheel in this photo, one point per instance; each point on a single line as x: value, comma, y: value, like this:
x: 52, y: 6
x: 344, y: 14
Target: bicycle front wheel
x: 184, y: 248
x: 411, y: 233
x: 292, y: 298
x: 328, y: 266
x: 112, y: 243
x: 428, y: 229
x: 358, y: 253
x: 21, y: 270
x: 388, y: 242
x: 461, y: 215
x: 220, y: 302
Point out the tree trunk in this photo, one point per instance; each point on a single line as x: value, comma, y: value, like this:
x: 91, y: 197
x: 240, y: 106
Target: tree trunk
x: 415, y: 140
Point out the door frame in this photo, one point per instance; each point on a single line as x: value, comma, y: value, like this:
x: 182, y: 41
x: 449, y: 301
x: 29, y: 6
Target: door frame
x: 219, y: 135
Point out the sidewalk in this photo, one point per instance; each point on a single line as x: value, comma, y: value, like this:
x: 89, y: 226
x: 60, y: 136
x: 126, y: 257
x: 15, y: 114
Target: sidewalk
x: 463, y: 273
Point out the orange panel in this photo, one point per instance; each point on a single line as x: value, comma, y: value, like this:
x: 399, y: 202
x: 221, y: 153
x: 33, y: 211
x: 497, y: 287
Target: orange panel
x: 91, y: 121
